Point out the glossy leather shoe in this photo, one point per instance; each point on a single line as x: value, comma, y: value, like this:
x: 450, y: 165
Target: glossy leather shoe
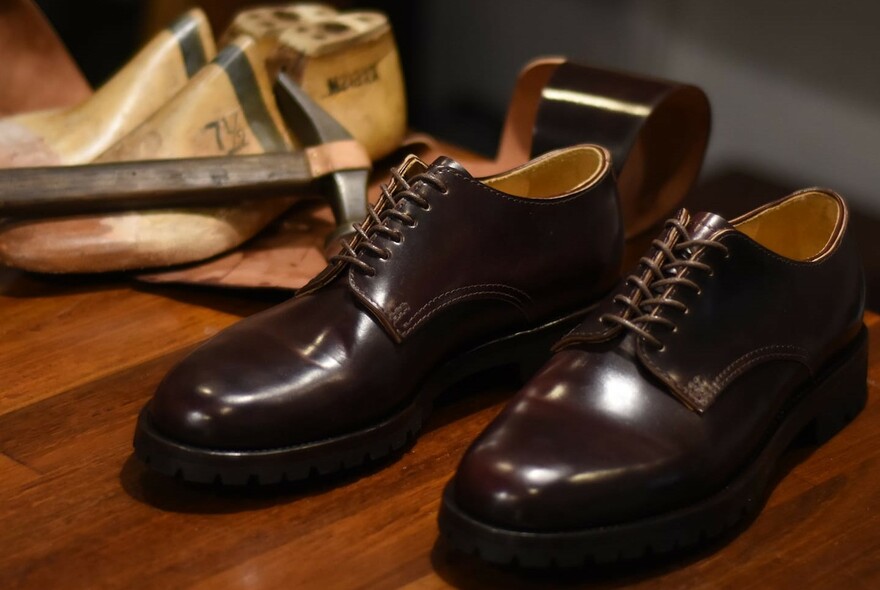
x: 448, y: 276
x: 661, y: 418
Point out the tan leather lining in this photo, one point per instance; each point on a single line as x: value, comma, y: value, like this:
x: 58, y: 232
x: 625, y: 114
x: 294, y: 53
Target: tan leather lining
x: 553, y: 174
x: 802, y: 227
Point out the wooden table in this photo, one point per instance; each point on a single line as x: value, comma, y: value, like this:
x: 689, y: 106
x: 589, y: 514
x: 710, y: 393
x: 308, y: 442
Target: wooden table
x: 79, y: 358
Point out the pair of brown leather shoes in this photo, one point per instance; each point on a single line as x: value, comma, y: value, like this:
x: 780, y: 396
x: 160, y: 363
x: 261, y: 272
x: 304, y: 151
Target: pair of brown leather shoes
x: 664, y: 406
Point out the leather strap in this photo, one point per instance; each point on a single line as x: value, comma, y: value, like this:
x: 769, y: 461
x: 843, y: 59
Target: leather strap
x: 656, y: 131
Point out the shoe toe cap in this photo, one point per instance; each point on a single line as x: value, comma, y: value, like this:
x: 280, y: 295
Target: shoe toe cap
x: 233, y: 394
x: 536, y: 471
x: 508, y: 488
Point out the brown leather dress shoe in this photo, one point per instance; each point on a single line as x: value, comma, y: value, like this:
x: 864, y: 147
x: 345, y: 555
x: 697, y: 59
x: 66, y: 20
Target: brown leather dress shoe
x: 661, y: 418
x: 448, y: 276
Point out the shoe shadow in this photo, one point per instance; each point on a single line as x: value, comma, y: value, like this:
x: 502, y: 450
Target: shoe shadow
x: 25, y: 285
x: 233, y: 301
x: 241, y: 302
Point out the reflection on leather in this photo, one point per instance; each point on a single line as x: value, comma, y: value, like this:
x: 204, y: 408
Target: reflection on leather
x: 656, y: 131
x: 802, y: 228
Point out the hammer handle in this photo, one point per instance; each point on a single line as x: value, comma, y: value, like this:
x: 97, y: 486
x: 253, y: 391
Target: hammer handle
x: 122, y: 186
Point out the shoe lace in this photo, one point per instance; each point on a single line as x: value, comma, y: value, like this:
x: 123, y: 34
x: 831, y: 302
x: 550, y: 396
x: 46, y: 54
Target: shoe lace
x: 379, y: 217
x: 653, y: 287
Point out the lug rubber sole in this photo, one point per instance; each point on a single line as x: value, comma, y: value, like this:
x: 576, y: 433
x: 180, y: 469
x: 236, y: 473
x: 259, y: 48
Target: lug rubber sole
x: 818, y: 411
x: 527, y: 350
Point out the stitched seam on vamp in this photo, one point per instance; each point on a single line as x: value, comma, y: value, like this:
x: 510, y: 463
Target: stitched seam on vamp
x: 503, y: 295
x: 647, y: 359
x: 398, y: 312
x: 717, y: 385
x: 588, y: 334
x: 362, y: 293
x: 524, y: 296
x: 733, y: 369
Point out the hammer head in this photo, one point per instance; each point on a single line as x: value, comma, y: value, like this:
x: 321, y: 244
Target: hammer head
x: 345, y: 190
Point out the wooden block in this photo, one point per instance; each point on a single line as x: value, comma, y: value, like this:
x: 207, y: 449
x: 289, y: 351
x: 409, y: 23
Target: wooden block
x: 347, y: 61
x: 79, y: 134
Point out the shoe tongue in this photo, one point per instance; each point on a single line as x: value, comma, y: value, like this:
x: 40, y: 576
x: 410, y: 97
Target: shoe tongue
x: 447, y: 162
x: 703, y: 226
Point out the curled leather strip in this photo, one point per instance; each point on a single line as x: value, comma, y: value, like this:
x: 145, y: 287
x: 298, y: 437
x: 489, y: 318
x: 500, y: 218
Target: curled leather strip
x: 656, y: 130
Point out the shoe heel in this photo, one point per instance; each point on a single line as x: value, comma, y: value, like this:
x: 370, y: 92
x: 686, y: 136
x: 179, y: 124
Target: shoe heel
x: 845, y: 394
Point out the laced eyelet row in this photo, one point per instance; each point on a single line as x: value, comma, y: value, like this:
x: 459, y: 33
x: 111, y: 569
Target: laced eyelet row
x: 381, y: 215
x: 653, y: 293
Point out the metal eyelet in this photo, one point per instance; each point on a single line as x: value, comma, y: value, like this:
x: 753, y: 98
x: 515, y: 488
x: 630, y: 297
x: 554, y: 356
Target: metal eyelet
x: 386, y: 254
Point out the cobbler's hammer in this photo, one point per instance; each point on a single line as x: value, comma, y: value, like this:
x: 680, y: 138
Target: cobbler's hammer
x: 331, y: 158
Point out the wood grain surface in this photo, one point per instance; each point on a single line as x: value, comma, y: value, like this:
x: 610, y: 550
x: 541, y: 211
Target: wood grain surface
x: 79, y: 358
